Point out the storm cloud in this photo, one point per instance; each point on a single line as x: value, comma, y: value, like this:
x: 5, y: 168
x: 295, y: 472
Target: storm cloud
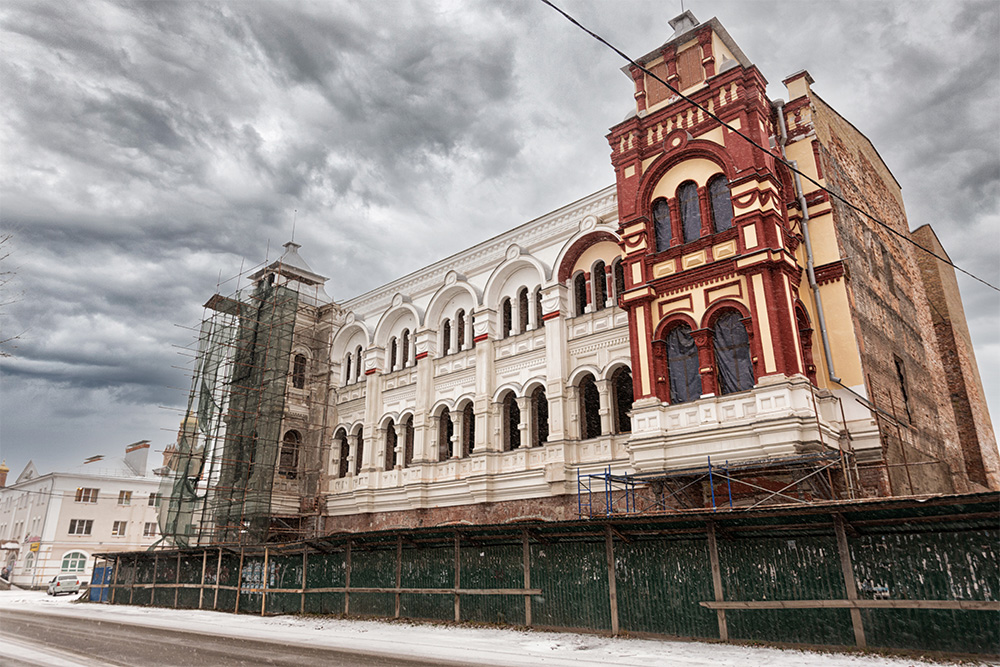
x: 152, y: 150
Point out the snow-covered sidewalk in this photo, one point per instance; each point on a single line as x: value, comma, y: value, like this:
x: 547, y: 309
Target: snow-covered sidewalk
x: 473, y: 645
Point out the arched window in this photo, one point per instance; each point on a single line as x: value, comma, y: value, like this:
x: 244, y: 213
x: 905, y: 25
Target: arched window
x: 805, y: 339
x: 390, y: 446
x: 522, y: 310
x: 344, y: 448
x: 621, y: 386
x: 299, y: 371
x: 722, y: 203
x: 460, y: 330
x: 392, y: 354
x: 446, y: 429
x: 687, y: 195
x: 357, y: 363
x: 580, y: 293
x: 661, y: 224
x: 405, y: 344
x: 599, y: 285
x: 252, y: 456
x: 539, y: 320
x: 408, y: 441
x: 506, y: 318
x: 468, y: 429
x: 732, y: 353
x: 540, y: 417
x: 590, y: 408
x: 288, y: 459
x: 29, y: 562
x: 347, y: 370
x: 618, y: 271
x: 74, y: 561
x: 360, y: 450
x: 445, y: 338
x: 512, y: 423
x: 682, y: 365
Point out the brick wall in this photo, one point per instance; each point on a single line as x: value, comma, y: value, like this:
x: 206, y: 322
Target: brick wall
x: 891, y: 314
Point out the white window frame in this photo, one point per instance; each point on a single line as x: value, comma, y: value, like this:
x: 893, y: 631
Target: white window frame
x: 87, y: 494
x: 81, y: 526
x: 149, y: 530
x: 119, y: 528
x: 124, y: 498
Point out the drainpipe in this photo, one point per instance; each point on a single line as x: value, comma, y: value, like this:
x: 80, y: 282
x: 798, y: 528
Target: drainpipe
x: 810, y: 272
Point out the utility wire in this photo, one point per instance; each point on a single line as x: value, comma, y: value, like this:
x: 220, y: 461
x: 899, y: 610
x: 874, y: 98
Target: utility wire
x: 756, y: 145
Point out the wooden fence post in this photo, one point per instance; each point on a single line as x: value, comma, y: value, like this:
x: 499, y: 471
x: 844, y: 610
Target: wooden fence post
x: 239, y: 584
x: 347, y: 580
x: 305, y: 567
x: 713, y: 555
x: 114, y: 582
x: 399, y: 570
x: 458, y: 578
x: 848, y: 570
x: 612, y: 585
x: 201, y: 588
x: 264, y: 581
x: 218, y: 577
x: 152, y: 591
x: 526, y: 557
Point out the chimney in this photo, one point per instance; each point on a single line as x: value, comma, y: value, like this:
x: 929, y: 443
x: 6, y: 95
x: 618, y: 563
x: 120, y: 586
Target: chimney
x: 3, y: 474
x: 135, y: 457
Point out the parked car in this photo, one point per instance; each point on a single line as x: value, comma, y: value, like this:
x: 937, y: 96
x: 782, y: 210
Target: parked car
x: 65, y: 583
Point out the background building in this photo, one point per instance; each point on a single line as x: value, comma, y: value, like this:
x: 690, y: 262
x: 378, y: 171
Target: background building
x: 713, y: 308
x: 54, y: 523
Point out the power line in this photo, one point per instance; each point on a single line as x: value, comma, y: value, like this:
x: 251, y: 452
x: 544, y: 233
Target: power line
x: 765, y: 150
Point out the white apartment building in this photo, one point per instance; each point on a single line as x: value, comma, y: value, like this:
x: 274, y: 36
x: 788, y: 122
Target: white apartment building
x: 54, y: 523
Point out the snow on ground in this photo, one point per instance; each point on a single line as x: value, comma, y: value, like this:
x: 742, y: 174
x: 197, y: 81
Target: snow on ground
x: 478, y: 645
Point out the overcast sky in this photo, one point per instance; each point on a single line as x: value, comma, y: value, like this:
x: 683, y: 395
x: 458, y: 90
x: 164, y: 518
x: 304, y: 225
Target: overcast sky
x: 149, y: 148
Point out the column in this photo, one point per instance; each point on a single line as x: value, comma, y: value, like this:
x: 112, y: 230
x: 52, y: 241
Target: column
x: 458, y: 422
x: 352, y: 444
x: 604, y: 391
x: 400, y: 428
x: 706, y: 361
x: 525, y: 424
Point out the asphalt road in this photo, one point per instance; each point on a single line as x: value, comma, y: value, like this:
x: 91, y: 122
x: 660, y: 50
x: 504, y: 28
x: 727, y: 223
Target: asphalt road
x: 84, y: 641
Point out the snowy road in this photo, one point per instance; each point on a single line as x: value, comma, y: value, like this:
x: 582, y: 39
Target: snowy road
x: 57, y: 632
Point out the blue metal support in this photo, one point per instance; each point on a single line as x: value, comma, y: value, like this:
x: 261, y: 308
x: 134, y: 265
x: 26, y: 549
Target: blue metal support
x: 711, y: 482
x: 729, y: 483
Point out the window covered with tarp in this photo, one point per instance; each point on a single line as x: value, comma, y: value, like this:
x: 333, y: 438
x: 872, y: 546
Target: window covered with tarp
x: 722, y: 203
x: 661, y: 223
x: 687, y: 196
x: 682, y: 365
x: 732, y: 353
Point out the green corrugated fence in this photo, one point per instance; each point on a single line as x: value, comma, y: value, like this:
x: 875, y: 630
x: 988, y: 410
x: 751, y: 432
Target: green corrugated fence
x: 900, y: 574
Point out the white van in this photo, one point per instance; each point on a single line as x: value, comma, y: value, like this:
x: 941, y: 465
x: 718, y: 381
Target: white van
x: 64, y: 583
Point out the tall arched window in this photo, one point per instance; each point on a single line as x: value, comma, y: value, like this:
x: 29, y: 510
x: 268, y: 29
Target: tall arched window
x: 618, y: 272
x: 590, y: 408
x: 599, y: 285
x: 460, y: 330
x: 621, y: 386
x: 446, y: 429
x: 580, y: 293
x: 687, y: 196
x: 390, y: 445
x: 538, y: 307
x: 512, y: 422
x: 522, y: 310
x: 405, y: 344
x: 299, y: 371
x: 360, y: 450
x: 540, y: 417
x: 661, y: 224
x: 408, y: 441
x: 288, y: 460
x: 682, y: 365
x: 74, y: 561
x: 468, y: 429
x: 721, y: 203
x: 505, y: 318
x: 344, y: 447
x: 357, y: 363
x: 445, y: 338
x: 392, y: 354
x: 732, y: 353
x: 347, y: 370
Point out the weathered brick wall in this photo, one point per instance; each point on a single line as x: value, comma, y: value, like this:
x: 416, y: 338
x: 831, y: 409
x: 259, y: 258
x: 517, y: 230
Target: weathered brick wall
x: 891, y: 313
x: 557, y: 508
x: 975, y: 429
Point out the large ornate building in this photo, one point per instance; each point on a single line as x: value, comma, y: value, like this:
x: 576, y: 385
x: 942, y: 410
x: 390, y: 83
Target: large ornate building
x: 711, y: 307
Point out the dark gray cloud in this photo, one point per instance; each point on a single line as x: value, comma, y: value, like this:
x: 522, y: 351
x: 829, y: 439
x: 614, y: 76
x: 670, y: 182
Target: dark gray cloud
x: 151, y: 149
